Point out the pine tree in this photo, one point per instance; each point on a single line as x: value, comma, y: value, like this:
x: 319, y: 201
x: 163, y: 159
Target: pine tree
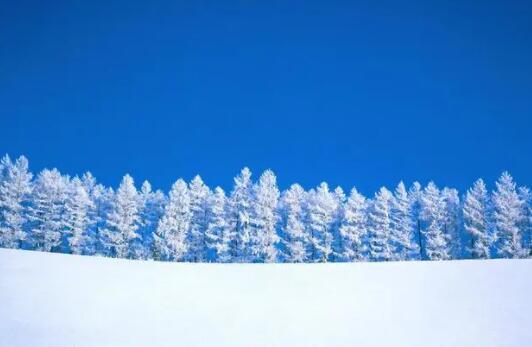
x: 525, y: 226
x: 103, y: 201
x: 452, y: 222
x: 197, y: 241
x: 379, y: 226
x: 170, y: 238
x: 241, y: 204
x: 475, y: 211
x: 337, y: 245
x: 507, y: 214
x: 353, y: 229
x: 217, y: 234
x: 151, y: 210
x: 76, y: 217
x: 321, y: 208
x: 294, y: 236
x: 123, y: 220
x: 264, y: 238
x: 403, y: 226
x: 415, y: 194
x: 15, y: 187
x: 46, y: 211
x: 433, y: 215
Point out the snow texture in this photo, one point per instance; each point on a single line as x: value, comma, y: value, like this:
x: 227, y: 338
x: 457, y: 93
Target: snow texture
x: 49, y: 299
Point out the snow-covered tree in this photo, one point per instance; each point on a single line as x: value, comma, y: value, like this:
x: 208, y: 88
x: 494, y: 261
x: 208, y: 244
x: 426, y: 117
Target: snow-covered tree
x: 337, y: 245
x: 452, y: 222
x: 320, y: 212
x: 475, y: 211
x: 353, y: 228
x: 46, y: 211
x: 170, y: 238
x: 76, y: 218
x: 414, y: 196
x: 526, y: 219
x: 507, y: 215
x: 241, y: 205
x: 15, y: 187
x: 294, y: 236
x: 433, y: 216
x: 196, y: 239
x: 379, y: 226
x: 218, y: 234
x: 123, y: 220
x: 264, y: 219
x: 403, y: 235
x: 151, y: 210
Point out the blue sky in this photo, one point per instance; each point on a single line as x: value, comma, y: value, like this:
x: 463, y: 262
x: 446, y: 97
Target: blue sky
x: 354, y: 93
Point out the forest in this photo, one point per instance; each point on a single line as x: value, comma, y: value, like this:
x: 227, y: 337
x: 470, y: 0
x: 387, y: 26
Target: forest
x: 257, y: 223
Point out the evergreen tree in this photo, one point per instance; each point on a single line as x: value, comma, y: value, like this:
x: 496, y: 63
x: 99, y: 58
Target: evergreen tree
x: 295, y: 237
x: 241, y: 204
x: 475, y: 211
x: 415, y: 194
x: 264, y: 238
x: 337, y: 245
x: 46, y: 211
x: 196, y: 238
x: 526, y: 219
x: 452, y: 222
x: 170, y: 238
x: 403, y: 229
x: 218, y: 234
x: 15, y: 187
x: 507, y: 215
x: 321, y: 209
x: 433, y: 215
x: 151, y: 210
x: 123, y: 220
x: 353, y: 229
x: 379, y: 226
x: 76, y: 217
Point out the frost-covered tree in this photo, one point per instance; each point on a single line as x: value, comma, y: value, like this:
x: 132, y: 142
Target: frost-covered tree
x: 337, y: 245
x: 452, y: 222
x: 264, y: 238
x: 321, y: 209
x: 15, y: 187
x: 123, y: 220
x: 241, y: 205
x: 414, y: 196
x: 475, y: 211
x: 218, y: 234
x: 76, y: 218
x: 433, y: 216
x: 170, y: 238
x: 196, y: 239
x: 151, y: 210
x: 403, y: 235
x: 379, y: 226
x: 46, y: 211
x: 353, y: 229
x: 526, y: 219
x: 507, y: 215
x: 294, y: 235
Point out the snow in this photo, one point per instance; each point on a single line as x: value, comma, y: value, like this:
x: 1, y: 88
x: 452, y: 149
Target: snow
x: 65, y: 300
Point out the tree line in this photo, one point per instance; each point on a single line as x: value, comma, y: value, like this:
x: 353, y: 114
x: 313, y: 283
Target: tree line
x: 256, y: 222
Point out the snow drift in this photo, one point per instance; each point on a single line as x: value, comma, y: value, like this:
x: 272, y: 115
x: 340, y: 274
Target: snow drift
x: 63, y: 300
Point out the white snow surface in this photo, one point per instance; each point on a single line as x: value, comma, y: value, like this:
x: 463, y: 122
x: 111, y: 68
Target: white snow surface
x: 64, y: 300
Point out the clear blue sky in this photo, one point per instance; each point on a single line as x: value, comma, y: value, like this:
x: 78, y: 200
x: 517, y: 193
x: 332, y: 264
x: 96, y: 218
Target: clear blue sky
x: 354, y: 93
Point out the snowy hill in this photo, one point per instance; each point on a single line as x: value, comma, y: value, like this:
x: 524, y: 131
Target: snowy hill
x: 64, y: 300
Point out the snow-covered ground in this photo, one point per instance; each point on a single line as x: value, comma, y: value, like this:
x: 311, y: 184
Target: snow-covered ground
x: 63, y: 300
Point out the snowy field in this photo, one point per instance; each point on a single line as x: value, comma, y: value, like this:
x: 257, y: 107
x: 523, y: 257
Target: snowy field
x: 63, y: 300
